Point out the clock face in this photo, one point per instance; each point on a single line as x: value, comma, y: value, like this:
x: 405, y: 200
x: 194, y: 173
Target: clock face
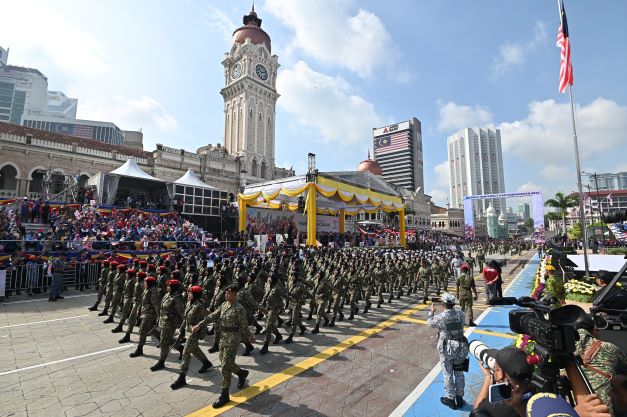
x: 261, y: 72
x: 236, y: 71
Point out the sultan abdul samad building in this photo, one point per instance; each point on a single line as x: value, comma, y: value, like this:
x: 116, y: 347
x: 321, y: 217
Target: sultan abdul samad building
x: 247, y: 155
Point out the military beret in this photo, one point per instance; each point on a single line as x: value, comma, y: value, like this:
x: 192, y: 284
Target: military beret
x: 151, y: 279
x: 142, y: 262
x: 152, y: 267
x: 131, y: 271
x: 114, y: 263
x: 141, y: 274
x: 106, y: 262
x: 121, y: 267
x: 195, y: 289
x: 162, y: 268
x: 173, y: 282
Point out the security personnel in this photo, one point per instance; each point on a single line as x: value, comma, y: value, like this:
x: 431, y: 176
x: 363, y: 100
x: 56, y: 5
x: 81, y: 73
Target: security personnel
x: 465, y: 287
x: 453, y: 349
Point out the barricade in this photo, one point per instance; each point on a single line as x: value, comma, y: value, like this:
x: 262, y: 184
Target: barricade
x: 35, y: 278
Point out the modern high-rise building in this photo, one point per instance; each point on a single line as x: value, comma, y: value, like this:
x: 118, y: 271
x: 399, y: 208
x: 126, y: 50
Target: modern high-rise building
x: 398, y: 150
x: 106, y: 132
x: 475, y: 160
x: 608, y: 182
x: 523, y: 210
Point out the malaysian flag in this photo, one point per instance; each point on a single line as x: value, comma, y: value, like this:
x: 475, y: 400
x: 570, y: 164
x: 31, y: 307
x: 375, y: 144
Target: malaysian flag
x: 610, y: 201
x: 83, y: 131
x: 391, y: 143
x: 563, y: 42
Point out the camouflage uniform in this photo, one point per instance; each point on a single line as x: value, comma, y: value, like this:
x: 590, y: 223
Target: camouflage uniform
x: 118, y: 292
x: 110, y: 290
x: 171, y: 314
x: 150, y: 306
x: 465, y: 283
x: 102, y: 286
x: 296, y: 297
x: 273, y: 301
x: 424, y: 274
x: 452, y: 347
x: 233, y: 328
x: 322, y: 295
x: 604, y: 361
x: 195, y: 312
x: 128, y: 293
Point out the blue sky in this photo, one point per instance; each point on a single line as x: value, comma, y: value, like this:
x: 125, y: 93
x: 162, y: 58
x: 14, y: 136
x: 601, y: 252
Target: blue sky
x: 346, y: 67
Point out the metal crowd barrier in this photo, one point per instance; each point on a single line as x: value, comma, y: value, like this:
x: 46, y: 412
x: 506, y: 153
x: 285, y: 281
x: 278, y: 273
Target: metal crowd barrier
x: 34, y: 278
x: 37, y: 246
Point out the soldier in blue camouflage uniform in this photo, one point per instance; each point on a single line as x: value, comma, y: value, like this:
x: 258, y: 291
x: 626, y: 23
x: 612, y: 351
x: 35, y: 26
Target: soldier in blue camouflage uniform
x: 233, y: 328
x: 452, y: 347
x: 195, y: 312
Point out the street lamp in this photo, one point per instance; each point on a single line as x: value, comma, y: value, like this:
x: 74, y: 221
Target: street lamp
x: 596, y: 185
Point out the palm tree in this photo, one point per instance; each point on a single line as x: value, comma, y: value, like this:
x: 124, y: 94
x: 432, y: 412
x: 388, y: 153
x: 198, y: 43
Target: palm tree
x: 562, y: 203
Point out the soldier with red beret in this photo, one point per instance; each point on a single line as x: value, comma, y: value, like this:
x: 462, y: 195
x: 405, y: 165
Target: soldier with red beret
x: 171, y: 314
x: 118, y: 291
x: 113, y: 265
x: 149, y: 309
x: 102, y: 284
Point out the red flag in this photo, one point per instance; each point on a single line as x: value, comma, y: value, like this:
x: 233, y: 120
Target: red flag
x: 563, y: 42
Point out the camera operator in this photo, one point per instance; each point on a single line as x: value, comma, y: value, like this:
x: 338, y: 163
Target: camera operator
x: 600, y: 358
x: 511, y: 367
x: 453, y: 349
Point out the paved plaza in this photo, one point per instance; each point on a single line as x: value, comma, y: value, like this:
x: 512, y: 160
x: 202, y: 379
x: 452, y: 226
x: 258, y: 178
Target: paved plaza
x: 60, y: 360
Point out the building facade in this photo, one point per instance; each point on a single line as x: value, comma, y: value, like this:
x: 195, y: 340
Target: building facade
x: 475, y: 162
x: 250, y: 96
x: 105, y: 132
x: 398, y: 150
x: 608, y: 182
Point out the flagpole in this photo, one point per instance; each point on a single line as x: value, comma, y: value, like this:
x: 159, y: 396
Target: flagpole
x: 582, y: 218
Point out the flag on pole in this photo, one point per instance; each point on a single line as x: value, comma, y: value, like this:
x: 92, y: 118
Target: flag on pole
x: 563, y: 42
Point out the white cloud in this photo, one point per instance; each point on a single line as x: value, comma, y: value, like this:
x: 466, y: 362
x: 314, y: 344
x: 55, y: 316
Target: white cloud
x: 455, y: 116
x: 512, y: 54
x: 531, y: 186
x: 327, y: 104
x: 554, y: 172
x: 357, y: 40
x: 545, y: 135
x: 218, y: 21
x: 130, y: 114
x: 440, y: 193
x: 49, y: 39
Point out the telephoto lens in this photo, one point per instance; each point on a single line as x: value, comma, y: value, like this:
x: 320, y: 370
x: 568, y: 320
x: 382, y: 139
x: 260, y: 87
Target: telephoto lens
x: 479, y: 350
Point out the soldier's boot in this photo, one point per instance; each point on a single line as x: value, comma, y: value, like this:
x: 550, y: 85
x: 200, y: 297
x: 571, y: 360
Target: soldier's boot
x: 356, y: 310
x: 157, y: 366
x: 126, y: 338
x: 366, y: 309
x: 459, y: 401
x: 310, y: 316
x: 138, y: 352
x: 242, y: 375
x: 449, y: 402
x: 289, y: 339
x: 277, y: 337
x: 264, y: 349
x: 249, y: 348
x: 215, y: 347
x: 180, y: 382
x: 258, y: 328
x: 205, y: 367
x: 180, y: 348
x: 424, y: 300
x: 109, y: 319
x: 302, y: 329
x: 326, y: 322
x: 104, y: 312
x: 390, y: 297
x: 472, y: 324
x: 316, y: 329
x: 351, y: 316
x: 280, y: 321
x: 211, y: 331
x: 223, y: 399
x: 332, y: 323
x: 118, y: 328
x: 341, y: 316
x: 94, y: 307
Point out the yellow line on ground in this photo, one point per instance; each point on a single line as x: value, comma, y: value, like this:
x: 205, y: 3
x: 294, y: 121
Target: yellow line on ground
x: 486, y: 332
x: 252, y: 391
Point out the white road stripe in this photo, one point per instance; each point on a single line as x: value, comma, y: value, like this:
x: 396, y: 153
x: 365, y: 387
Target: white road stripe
x: 430, y: 377
x: 44, y: 299
x: 65, y: 360
x: 44, y: 321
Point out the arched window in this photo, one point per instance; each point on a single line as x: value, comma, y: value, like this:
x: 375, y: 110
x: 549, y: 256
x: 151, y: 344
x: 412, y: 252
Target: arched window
x: 57, y: 183
x: 8, y: 178
x: 37, y: 181
x: 263, y: 169
x: 253, y: 168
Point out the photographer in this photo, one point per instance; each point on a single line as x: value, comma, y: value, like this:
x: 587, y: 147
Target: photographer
x: 511, y: 367
x: 453, y: 349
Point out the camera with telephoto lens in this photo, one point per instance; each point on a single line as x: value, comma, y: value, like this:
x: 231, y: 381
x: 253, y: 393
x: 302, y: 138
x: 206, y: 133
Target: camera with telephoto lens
x: 479, y: 350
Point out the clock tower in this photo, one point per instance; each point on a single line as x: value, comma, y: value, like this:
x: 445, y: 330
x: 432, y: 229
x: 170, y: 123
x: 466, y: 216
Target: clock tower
x: 250, y: 97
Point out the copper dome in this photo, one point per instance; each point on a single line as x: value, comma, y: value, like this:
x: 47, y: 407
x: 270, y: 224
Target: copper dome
x: 252, y: 29
x: 370, y: 165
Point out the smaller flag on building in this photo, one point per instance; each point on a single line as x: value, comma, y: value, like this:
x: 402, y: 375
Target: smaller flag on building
x: 563, y: 42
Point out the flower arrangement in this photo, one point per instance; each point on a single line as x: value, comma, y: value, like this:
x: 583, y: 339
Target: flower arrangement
x: 579, y: 291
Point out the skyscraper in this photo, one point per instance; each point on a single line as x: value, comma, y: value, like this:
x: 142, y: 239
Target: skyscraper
x: 475, y: 160
x: 398, y: 150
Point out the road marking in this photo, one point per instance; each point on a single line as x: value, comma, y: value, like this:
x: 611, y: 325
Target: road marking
x: 45, y: 299
x: 44, y: 321
x: 428, y: 380
x: 64, y: 360
x: 264, y: 385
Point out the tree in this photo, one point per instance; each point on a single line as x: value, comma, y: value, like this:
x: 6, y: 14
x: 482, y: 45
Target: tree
x: 562, y: 203
x: 529, y: 222
x: 575, y: 232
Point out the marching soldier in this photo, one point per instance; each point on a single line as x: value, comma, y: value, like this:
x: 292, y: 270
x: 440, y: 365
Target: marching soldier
x: 465, y: 287
x: 118, y: 291
x: 296, y: 297
x: 102, y: 284
x: 150, y: 305
x: 113, y: 265
x: 322, y: 295
x: 273, y: 302
x: 233, y: 327
x: 424, y: 275
x: 131, y: 293
x: 171, y: 313
x: 195, y: 313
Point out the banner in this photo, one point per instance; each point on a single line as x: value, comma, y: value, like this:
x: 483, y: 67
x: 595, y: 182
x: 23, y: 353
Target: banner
x: 266, y: 221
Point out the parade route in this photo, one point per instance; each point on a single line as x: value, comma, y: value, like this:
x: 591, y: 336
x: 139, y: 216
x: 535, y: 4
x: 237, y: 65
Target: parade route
x: 59, y: 360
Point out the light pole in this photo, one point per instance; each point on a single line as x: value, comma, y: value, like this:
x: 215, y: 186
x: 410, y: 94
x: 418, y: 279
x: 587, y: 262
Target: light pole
x: 596, y: 186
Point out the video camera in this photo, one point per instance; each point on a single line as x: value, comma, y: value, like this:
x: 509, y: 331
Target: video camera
x: 554, y: 331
